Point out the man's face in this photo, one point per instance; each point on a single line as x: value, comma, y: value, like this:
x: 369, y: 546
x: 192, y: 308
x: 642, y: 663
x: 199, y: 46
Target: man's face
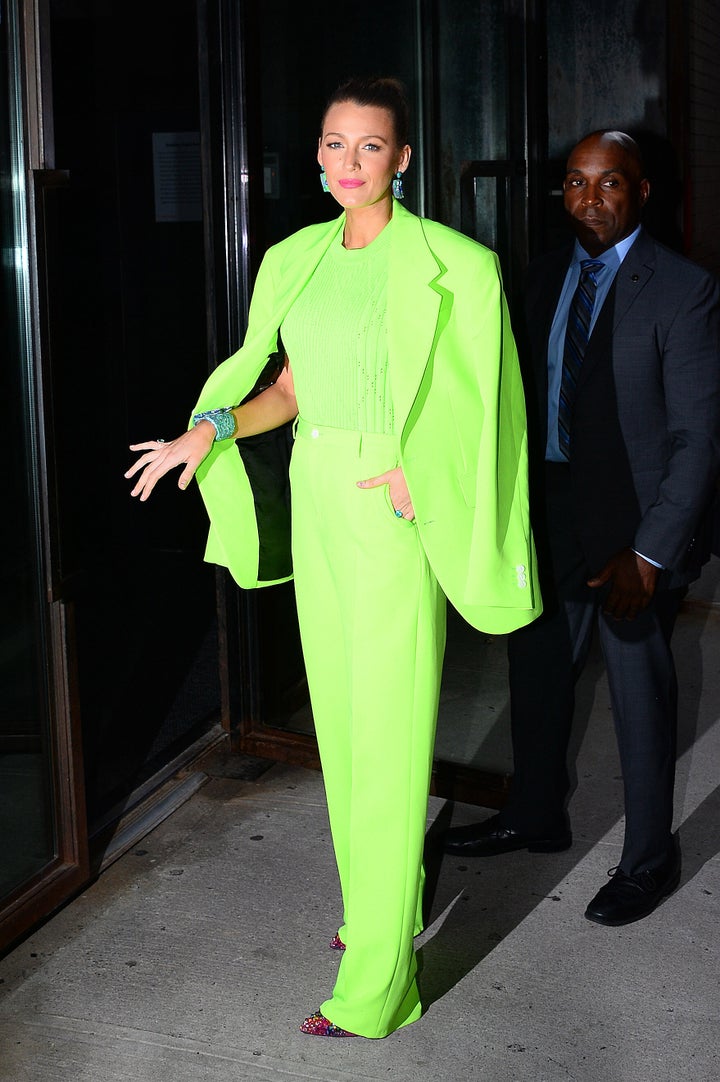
x: 603, y: 193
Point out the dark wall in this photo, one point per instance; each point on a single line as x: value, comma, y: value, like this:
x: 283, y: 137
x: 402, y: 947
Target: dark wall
x: 702, y: 231
x: 607, y: 68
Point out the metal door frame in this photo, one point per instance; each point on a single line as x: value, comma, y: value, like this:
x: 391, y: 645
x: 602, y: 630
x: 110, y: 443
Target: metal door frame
x: 69, y: 869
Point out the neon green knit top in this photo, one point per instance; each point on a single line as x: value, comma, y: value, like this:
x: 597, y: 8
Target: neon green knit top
x: 335, y: 337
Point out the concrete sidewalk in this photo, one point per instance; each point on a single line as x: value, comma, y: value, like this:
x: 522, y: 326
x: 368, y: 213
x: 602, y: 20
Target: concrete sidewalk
x: 196, y: 955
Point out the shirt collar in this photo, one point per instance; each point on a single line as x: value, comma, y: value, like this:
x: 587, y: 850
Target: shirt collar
x: 613, y: 257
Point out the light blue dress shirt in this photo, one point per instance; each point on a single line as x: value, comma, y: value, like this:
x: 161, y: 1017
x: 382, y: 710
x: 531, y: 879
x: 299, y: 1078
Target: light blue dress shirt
x: 611, y: 260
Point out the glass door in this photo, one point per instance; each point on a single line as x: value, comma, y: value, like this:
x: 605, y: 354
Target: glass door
x: 127, y: 312
x: 483, y: 156
x: 42, y: 855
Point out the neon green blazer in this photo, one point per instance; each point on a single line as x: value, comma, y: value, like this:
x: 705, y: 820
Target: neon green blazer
x: 459, y: 410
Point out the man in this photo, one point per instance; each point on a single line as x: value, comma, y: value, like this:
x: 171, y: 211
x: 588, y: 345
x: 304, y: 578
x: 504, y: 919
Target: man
x: 624, y: 350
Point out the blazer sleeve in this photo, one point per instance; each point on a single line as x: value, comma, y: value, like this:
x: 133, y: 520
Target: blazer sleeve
x: 244, y: 483
x: 502, y: 566
x: 245, y: 490
x: 690, y: 366
x: 464, y: 447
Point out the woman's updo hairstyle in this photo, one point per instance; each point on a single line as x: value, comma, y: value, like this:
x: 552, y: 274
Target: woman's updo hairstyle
x: 382, y: 92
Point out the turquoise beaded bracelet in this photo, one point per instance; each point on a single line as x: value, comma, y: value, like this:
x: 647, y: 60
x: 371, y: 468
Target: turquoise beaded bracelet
x: 223, y: 421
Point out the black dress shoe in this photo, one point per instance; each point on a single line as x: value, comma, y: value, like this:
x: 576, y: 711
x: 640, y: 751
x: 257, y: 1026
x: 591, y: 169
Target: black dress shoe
x: 490, y: 838
x: 627, y: 898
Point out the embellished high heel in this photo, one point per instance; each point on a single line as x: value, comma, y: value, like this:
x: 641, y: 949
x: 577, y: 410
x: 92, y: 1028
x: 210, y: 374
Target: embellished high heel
x: 317, y: 1025
x: 336, y: 943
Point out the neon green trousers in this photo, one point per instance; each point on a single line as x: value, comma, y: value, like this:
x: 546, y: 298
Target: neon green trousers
x: 372, y: 622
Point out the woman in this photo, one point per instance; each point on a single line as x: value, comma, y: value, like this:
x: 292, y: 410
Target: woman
x: 408, y: 480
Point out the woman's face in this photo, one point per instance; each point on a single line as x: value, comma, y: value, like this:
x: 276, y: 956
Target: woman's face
x: 359, y: 154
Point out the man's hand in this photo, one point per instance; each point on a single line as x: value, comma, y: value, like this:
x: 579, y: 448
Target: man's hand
x: 632, y: 584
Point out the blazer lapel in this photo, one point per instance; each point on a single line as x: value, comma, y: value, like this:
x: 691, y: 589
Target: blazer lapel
x: 301, y: 260
x: 634, y: 273
x: 414, y: 301
x: 233, y: 379
x: 632, y: 276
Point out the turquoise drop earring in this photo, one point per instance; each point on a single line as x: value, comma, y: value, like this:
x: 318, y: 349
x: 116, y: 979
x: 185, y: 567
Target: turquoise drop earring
x: 324, y: 181
x: 397, y: 188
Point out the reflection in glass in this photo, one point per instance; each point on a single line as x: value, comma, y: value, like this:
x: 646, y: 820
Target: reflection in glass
x: 472, y: 105
x: 26, y: 822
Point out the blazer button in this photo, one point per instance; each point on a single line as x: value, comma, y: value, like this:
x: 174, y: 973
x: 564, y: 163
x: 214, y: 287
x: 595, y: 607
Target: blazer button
x: 635, y: 278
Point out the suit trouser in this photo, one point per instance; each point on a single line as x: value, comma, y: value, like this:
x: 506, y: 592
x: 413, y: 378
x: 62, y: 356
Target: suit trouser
x: 372, y: 623
x: 545, y: 660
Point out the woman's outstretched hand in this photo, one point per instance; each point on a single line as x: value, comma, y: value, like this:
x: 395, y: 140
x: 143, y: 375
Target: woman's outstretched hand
x: 160, y: 457
x: 399, y: 495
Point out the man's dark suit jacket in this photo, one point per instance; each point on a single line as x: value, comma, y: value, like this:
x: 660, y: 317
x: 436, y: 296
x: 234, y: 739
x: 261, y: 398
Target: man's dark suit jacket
x: 645, y: 432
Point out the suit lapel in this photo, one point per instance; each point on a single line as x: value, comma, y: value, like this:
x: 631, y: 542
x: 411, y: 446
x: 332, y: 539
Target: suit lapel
x: 634, y: 273
x: 302, y: 259
x: 632, y: 276
x: 233, y: 379
x: 414, y: 300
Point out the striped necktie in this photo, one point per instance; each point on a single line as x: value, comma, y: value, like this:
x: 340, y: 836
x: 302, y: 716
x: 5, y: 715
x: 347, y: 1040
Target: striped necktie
x: 576, y: 340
